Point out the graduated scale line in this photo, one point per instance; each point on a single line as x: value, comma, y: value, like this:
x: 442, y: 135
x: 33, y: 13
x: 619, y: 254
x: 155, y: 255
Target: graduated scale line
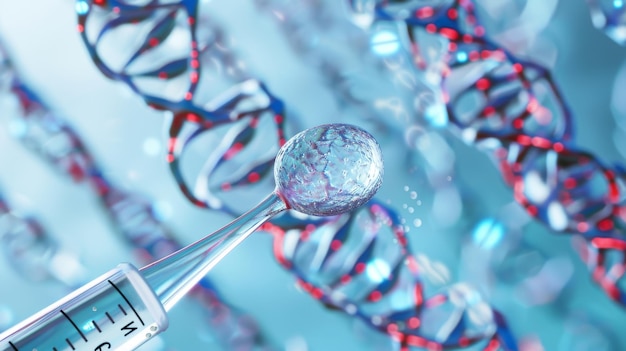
x: 228, y: 322
x: 128, y: 302
x: 75, y: 326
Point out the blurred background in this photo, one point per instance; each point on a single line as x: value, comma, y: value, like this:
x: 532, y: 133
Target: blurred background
x: 460, y: 217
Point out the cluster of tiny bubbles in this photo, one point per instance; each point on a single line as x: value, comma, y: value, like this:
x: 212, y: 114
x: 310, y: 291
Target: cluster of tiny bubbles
x: 527, y: 144
x: 434, y: 156
x: 410, y: 208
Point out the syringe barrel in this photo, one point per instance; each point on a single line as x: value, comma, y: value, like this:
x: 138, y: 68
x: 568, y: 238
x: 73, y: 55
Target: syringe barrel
x: 117, y: 311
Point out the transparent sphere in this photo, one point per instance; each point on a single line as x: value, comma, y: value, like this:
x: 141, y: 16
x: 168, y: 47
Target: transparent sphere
x: 328, y: 170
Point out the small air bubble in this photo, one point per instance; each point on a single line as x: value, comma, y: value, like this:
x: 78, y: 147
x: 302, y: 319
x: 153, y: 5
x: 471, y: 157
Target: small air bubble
x: 406, y: 188
x: 417, y: 223
x: 94, y: 308
x: 419, y: 202
x: 148, y: 336
x: 404, y: 206
x: 411, y: 209
x: 153, y: 328
x: 413, y: 195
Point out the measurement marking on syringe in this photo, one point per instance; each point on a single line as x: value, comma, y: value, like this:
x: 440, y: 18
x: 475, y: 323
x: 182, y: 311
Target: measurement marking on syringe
x: 13, y: 346
x: 122, y: 309
x: 109, y: 316
x: 75, y: 326
x: 97, y: 327
x: 70, y: 343
x: 128, y: 302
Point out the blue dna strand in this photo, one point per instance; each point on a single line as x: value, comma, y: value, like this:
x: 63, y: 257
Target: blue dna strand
x: 53, y: 140
x: 513, y: 109
x: 34, y: 253
x: 243, y: 125
x: 361, y: 263
x: 353, y: 64
x: 357, y: 263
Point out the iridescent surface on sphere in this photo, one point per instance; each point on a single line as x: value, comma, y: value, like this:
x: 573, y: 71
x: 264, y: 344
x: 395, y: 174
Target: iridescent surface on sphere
x: 329, y: 169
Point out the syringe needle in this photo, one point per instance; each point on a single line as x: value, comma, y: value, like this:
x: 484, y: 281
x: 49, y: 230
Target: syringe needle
x: 173, y: 276
x: 323, y: 171
x: 309, y: 172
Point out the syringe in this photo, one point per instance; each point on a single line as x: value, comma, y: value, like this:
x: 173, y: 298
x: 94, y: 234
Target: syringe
x: 323, y: 171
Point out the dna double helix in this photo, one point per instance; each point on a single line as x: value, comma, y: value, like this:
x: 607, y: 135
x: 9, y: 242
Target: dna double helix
x: 512, y: 109
x: 359, y: 263
x: 53, y: 140
x: 243, y: 125
x: 33, y: 252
